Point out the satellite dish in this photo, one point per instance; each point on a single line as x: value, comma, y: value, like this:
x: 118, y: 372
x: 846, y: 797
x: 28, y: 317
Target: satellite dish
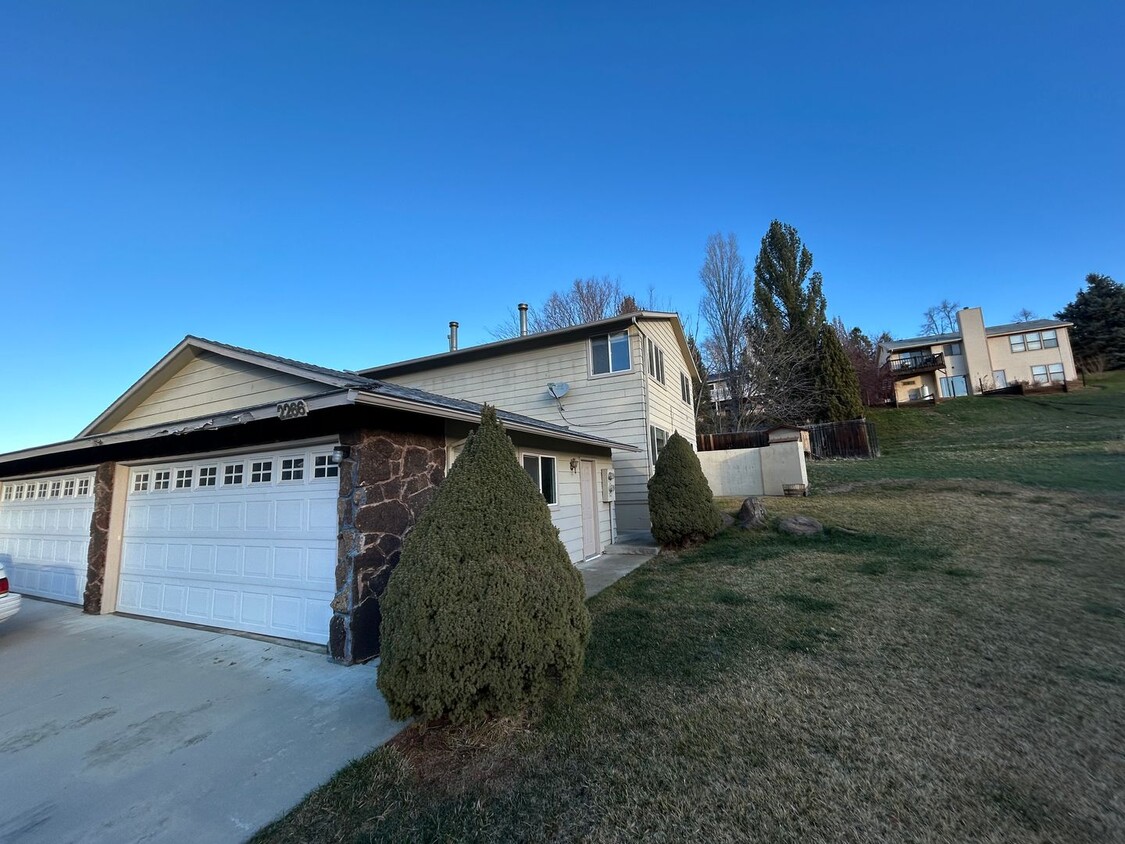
x: 558, y: 389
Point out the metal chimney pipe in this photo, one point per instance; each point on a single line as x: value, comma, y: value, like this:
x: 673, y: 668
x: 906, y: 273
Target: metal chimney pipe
x: 523, y: 319
x: 452, y: 336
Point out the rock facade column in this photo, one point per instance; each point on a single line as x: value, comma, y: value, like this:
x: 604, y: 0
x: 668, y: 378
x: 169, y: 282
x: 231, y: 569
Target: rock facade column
x: 386, y: 481
x: 99, y: 538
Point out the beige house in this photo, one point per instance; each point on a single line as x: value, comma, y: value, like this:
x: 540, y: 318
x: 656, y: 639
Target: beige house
x: 628, y: 378
x: 243, y: 491
x: 978, y: 358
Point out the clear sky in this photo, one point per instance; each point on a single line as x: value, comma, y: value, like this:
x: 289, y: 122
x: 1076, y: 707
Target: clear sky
x: 336, y: 181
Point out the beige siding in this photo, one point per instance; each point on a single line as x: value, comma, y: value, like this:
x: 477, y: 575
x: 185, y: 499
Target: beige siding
x: 1017, y: 365
x: 619, y: 406
x: 213, y: 384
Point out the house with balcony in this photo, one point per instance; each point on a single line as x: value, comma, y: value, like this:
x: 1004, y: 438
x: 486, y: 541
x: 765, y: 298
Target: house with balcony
x: 977, y: 358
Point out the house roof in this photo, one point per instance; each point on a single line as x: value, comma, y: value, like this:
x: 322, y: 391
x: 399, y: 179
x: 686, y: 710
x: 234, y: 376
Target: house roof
x: 527, y: 342
x: 990, y: 331
x: 338, y: 387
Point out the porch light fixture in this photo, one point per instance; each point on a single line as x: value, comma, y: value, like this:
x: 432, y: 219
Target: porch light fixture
x: 574, y: 464
x: 340, y: 454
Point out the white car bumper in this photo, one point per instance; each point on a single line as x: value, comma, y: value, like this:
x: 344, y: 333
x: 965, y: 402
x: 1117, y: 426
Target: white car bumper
x: 9, y: 605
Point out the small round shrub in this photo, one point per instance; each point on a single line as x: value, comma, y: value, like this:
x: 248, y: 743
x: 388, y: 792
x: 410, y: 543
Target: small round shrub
x: 680, y: 502
x: 484, y: 614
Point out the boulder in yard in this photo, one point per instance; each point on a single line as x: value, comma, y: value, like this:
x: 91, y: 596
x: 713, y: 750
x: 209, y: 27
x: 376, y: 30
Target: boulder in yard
x: 752, y: 514
x: 800, y: 526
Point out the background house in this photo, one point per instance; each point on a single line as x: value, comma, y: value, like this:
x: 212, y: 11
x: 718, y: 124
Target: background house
x: 248, y: 492
x: 977, y: 358
x: 629, y: 377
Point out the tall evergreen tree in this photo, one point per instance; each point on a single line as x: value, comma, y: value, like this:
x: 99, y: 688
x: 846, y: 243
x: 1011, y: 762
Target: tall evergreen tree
x: 789, y: 302
x: 1098, y: 314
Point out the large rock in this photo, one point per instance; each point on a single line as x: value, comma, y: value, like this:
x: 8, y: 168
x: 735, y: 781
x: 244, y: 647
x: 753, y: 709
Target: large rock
x: 800, y: 526
x: 752, y: 514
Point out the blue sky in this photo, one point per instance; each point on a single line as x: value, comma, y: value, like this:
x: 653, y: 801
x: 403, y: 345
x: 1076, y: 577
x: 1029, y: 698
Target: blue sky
x: 336, y: 181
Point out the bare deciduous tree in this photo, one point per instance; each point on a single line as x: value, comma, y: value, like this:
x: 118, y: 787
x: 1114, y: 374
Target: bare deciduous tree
x: 940, y: 319
x: 725, y: 307
x: 780, y: 387
x: 1024, y: 315
x: 586, y: 300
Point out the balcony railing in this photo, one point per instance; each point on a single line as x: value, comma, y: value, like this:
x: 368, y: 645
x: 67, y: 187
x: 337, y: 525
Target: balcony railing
x: 915, y: 364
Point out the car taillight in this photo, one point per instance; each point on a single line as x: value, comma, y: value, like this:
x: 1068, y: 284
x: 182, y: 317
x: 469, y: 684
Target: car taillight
x: 3, y: 585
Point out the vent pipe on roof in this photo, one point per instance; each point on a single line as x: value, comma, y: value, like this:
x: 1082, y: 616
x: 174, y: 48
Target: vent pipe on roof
x: 523, y: 319
x: 453, y: 336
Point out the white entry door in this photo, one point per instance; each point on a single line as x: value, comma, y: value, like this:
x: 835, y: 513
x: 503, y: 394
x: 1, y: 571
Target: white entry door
x: 45, y: 534
x: 591, y: 546
x: 245, y: 542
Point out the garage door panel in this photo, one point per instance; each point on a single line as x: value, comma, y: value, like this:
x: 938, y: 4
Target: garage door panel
x: 245, y: 555
x: 44, y: 534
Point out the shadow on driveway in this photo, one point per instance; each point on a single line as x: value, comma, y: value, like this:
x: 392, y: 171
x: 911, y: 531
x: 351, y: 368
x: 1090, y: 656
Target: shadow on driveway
x: 119, y: 730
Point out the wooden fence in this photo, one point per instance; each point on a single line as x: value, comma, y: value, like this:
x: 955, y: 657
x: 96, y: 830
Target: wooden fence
x: 733, y: 439
x: 855, y: 438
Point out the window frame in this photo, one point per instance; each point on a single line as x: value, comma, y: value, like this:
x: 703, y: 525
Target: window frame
x: 141, y: 481
x: 296, y: 470
x: 656, y: 444
x: 1052, y: 371
x: 68, y: 488
x: 328, y: 469
x: 1035, y: 378
x: 185, y: 478
x: 1015, y: 340
x: 685, y: 388
x: 655, y: 361
x: 234, y: 469
x: 1050, y: 338
x: 553, y: 500
x: 264, y: 471
x: 161, y: 480
x: 207, y: 478
x: 953, y: 349
x: 609, y: 339
x: 85, y: 487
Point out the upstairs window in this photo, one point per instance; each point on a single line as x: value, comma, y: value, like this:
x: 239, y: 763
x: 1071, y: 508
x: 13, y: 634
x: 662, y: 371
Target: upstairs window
x: 953, y: 349
x: 1050, y: 339
x: 542, y: 471
x: 685, y: 388
x: 1016, y: 342
x: 655, y: 361
x: 610, y: 353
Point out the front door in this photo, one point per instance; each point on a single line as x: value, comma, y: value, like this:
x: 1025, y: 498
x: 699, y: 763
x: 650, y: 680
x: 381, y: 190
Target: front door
x: 591, y: 547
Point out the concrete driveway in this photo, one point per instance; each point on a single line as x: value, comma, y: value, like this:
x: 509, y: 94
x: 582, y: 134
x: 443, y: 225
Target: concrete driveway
x: 119, y: 730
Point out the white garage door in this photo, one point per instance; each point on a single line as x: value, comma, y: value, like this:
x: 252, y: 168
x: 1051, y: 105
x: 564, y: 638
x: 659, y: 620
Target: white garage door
x: 245, y: 542
x: 45, y: 533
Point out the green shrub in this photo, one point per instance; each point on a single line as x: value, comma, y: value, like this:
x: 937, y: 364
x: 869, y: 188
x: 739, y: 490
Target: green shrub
x: 680, y: 503
x: 484, y: 614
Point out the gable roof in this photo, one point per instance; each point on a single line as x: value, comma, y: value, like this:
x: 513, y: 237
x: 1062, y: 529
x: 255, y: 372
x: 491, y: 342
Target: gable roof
x: 537, y: 340
x: 989, y: 331
x: 191, y: 347
x: 330, y: 387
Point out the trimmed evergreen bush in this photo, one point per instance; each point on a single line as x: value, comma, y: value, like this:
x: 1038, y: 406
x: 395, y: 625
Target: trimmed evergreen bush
x: 484, y: 614
x: 680, y: 502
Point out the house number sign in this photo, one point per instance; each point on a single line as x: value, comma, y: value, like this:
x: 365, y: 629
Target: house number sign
x: 292, y: 409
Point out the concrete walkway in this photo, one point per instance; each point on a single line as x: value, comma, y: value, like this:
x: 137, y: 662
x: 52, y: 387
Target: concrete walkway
x: 629, y: 552
x: 119, y: 730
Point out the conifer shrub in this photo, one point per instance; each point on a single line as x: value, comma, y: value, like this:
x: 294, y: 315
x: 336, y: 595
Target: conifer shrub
x: 484, y: 614
x: 680, y: 502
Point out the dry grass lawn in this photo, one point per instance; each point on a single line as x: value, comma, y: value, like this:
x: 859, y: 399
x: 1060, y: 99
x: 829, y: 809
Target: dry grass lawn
x: 947, y: 663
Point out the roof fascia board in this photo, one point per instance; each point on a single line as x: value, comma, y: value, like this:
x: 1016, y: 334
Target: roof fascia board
x: 219, y: 420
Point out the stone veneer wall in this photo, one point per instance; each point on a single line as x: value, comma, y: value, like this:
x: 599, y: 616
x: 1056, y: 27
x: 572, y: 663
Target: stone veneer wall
x: 386, y: 481
x: 99, y: 538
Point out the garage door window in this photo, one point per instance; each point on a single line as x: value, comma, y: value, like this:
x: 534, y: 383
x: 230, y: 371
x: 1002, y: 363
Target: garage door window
x: 162, y: 480
x: 323, y: 467
x: 183, y: 478
x: 208, y: 475
x: 7, y: 493
x: 293, y: 468
x: 68, y: 489
x: 56, y: 489
x: 232, y: 474
x: 140, y: 482
x: 261, y: 471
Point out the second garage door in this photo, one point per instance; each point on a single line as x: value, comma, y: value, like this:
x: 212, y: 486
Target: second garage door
x: 245, y: 542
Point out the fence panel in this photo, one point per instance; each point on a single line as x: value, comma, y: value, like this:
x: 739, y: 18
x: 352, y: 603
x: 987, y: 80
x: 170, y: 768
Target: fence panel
x: 854, y: 438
